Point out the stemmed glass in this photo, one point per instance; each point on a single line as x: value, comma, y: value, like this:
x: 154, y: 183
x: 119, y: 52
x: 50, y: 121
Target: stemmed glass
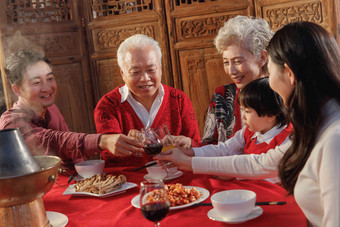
x: 152, y: 141
x: 163, y: 133
x: 157, y: 140
x: 154, y: 201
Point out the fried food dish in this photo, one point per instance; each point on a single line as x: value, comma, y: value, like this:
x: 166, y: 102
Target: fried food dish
x: 100, y: 184
x: 178, y: 195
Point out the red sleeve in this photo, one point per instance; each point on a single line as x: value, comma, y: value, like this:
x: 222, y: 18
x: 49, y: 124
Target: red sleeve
x: 105, y: 115
x: 189, y: 122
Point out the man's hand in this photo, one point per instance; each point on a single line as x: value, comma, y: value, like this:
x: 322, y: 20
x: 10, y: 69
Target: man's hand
x: 120, y: 145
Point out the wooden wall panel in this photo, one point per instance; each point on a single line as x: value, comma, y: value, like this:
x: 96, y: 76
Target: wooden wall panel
x: 70, y: 103
x: 197, y: 67
x: 108, y: 75
x: 56, y: 28
x: 203, y: 73
x: 109, y: 24
x: 280, y: 12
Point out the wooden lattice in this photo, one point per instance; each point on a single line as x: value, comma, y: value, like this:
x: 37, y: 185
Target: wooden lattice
x: 38, y: 11
x: 103, y: 8
x: 191, y: 2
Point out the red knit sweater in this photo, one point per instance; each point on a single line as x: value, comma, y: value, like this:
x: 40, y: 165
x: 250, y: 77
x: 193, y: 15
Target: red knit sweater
x: 113, y: 117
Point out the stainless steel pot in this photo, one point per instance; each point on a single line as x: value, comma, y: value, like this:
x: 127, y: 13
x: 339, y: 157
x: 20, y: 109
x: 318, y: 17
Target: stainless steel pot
x: 15, y: 157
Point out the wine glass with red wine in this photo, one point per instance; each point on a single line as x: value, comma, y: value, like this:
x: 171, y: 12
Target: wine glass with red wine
x: 154, y: 201
x: 152, y: 141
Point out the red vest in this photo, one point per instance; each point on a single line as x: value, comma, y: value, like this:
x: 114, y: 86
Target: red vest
x: 252, y: 148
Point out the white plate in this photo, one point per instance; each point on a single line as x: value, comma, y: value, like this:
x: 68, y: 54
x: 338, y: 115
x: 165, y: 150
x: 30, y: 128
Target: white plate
x: 256, y: 212
x: 56, y: 219
x: 204, y: 195
x: 174, y: 176
x: 72, y: 191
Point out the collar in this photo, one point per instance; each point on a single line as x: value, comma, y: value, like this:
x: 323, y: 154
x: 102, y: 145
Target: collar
x: 268, y: 136
x: 126, y: 93
x: 37, y: 120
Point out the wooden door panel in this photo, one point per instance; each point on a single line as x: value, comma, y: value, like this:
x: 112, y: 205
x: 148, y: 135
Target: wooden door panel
x: 109, y: 24
x: 107, y: 40
x: 54, y: 27
x: 71, y: 102
x: 280, y: 12
x: 108, y: 75
x: 202, y: 71
x: 197, y: 67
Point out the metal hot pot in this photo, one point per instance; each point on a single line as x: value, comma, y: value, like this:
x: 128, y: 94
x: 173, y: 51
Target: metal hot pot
x: 24, y: 179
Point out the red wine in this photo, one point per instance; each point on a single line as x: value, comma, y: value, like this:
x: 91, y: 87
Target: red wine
x: 153, y: 148
x: 155, y: 211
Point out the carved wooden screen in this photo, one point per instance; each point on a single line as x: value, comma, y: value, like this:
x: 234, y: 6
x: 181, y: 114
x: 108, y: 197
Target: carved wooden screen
x: 110, y: 23
x: 280, y: 12
x: 54, y: 26
x: 38, y: 11
x: 197, y: 67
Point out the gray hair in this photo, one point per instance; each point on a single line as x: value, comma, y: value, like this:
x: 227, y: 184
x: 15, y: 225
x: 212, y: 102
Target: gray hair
x: 250, y: 33
x: 135, y: 42
x: 17, y: 63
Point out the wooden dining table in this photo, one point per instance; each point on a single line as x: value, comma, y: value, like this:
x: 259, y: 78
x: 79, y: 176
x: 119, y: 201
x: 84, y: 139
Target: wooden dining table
x: 116, y: 210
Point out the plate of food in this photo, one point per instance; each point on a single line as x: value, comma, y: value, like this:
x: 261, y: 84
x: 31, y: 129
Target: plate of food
x: 100, y: 186
x: 180, y: 196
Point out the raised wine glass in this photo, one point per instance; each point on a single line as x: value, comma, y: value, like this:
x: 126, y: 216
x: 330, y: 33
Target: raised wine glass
x: 154, y: 201
x: 152, y: 141
x: 162, y: 132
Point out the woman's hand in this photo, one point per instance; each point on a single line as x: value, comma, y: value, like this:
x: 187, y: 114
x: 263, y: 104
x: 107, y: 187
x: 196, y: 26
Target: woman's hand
x: 120, y: 145
x: 179, y: 156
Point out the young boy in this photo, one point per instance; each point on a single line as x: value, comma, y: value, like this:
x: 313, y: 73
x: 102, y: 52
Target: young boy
x: 265, y: 129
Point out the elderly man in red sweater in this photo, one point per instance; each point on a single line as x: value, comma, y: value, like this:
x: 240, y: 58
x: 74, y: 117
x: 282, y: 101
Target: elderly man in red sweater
x: 143, y: 102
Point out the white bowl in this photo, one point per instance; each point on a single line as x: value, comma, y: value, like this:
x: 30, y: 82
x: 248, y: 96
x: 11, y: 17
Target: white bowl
x: 233, y: 204
x: 89, y: 168
x: 157, y: 172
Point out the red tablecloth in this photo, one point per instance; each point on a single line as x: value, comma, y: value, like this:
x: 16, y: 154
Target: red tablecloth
x: 118, y: 211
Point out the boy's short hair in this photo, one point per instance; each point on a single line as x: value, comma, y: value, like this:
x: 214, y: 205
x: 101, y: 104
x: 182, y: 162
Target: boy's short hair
x: 259, y: 96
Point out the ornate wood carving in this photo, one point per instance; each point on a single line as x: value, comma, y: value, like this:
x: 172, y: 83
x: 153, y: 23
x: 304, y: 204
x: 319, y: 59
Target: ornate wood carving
x: 206, y: 26
x: 196, y: 63
x: 57, y: 44
x: 38, y: 11
x: 109, y: 76
x: 202, y: 71
x: 190, y: 2
x: 112, y: 38
x: 104, y: 8
x: 279, y: 15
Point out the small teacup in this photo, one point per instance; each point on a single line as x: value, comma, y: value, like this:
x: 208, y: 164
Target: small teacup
x: 233, y: 204
x: 157, y: 172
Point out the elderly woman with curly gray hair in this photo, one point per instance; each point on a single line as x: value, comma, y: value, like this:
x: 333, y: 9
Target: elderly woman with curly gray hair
x: 242, y: 42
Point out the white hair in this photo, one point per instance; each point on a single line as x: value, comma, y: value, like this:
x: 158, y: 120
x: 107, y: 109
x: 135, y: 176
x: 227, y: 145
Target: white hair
x: 250, y: 33
x: 135, y: 42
